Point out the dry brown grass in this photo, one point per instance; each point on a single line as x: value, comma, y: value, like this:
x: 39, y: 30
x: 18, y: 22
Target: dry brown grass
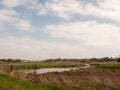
x: 104, y: 63
x: 85, y: 79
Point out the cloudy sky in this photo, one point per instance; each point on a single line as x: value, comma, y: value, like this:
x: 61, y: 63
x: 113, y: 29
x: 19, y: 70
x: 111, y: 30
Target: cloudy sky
x: 42, y: 29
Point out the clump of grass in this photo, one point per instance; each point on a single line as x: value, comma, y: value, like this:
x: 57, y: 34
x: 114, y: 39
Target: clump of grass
x: 5, y: 68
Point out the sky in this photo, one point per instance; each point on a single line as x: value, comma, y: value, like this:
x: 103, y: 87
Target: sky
x: 43, y: 29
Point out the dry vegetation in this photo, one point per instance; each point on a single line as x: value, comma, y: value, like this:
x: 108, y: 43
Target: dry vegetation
x: 101, y: 76
x: 6, y: 66
x: 85, y: 79
x: 106, y: 63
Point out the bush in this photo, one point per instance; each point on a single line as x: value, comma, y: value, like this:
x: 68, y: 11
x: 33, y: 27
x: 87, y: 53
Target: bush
x: 118, y: 59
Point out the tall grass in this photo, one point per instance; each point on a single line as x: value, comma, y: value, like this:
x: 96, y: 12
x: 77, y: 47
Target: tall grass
x: 10, y: 83
x: 85, y: 79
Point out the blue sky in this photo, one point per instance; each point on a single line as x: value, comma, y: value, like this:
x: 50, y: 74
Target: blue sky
x: 42, y: 29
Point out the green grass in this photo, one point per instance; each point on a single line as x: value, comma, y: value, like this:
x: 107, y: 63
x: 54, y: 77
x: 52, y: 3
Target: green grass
x: 29, y: 65
x: 10, y: 83
x: 109, y: 66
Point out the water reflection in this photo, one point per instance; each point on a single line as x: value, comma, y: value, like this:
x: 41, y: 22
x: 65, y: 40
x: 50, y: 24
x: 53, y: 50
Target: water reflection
x: 46, y: 70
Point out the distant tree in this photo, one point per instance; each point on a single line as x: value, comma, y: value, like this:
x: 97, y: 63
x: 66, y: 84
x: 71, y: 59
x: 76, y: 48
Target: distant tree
x: 118, y: 59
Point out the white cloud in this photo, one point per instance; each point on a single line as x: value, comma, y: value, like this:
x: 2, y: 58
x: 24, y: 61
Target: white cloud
x: 61, y: 8
x: 90, y: 32
x: 12, y: 3
x: 109, y: 9
x: 12, y: 17
x: 30, y: 49
x: 93, y: 38
x: 27, y: 48
x: 1, y: 27
x: 16, y: 3
x: 24, y: 25
x: 7, y: 15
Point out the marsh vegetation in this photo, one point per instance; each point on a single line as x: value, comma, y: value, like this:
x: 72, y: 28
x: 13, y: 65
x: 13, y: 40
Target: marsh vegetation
x: 100, y: 76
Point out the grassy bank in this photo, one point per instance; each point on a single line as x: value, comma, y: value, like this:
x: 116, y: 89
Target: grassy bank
x: 10, y: 83
x: 117, y: 66
x: 83, y: 79
x: 29, y: 65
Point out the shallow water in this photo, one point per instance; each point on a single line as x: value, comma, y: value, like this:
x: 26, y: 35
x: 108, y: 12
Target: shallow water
x: 46, y: 70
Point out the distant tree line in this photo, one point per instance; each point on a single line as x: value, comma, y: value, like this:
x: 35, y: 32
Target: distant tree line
x: 103, y: 59
x: 10, y: 60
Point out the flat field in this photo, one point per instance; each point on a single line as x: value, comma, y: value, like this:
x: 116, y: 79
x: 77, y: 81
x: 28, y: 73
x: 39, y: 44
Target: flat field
x: 100, y: 76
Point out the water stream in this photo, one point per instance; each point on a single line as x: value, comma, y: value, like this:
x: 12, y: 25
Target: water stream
x: 46, y: 70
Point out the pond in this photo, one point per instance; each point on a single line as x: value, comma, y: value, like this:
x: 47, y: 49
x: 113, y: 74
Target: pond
x: 46, y: 70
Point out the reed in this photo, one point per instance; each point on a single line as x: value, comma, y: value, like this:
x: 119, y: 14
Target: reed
x: 85, y: 79
x: 11, y: 83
